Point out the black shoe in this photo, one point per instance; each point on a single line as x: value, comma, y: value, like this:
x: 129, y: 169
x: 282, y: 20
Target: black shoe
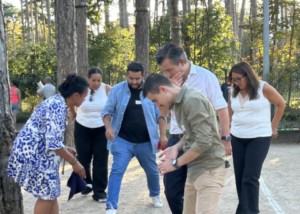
x: 87, y: 190
x: 100, y: 197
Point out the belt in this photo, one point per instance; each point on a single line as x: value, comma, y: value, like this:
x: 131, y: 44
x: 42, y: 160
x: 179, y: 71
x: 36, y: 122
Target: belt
x: 179, y: 136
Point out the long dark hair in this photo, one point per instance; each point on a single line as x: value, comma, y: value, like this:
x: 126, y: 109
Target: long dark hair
x: 245, y: 70
x: 73, y: 84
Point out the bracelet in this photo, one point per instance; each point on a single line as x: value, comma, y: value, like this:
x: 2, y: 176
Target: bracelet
x: 74, y: 161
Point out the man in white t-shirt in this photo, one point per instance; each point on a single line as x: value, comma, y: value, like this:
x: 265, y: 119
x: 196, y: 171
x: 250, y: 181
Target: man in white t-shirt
x: 173, y: 62
x: 48, y: 89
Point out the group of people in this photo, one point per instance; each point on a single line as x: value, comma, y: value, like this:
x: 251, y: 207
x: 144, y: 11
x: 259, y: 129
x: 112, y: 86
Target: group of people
x: 130, y: 120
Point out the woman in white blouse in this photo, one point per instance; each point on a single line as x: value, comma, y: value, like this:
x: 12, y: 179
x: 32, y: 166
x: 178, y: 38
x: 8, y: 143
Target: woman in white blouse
x: 251, y: 131
x: 89, y: 134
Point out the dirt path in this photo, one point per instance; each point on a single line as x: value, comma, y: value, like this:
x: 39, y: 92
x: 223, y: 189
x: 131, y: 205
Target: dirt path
x: 280, y: 187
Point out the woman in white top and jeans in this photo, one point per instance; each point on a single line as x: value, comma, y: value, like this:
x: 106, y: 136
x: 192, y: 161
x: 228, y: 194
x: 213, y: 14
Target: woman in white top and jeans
x: 251, y: 131
x: 89, y: 134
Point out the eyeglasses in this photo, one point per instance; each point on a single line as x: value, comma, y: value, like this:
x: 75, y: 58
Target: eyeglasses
x: 91, y: 95
x: 237, y: 79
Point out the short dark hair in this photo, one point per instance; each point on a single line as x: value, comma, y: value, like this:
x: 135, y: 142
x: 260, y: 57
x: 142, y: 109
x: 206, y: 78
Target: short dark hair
x: 73, y: 84
x: 246, y: 70
x: 15, y: 83
x: 48, y: 79
x: 94, y: 70
x: 135, y: 67
x: 153, y: 82
x: 170, y: 51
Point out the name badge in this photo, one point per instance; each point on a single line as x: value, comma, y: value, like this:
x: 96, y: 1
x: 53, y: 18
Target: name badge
x: 138, y: 102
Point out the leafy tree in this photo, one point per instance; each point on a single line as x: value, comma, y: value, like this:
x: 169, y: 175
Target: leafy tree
x: 30, y: 65
x: 13, y: 28
x: 211, y: 41
x: 111, y: 51
x: 208, y: 41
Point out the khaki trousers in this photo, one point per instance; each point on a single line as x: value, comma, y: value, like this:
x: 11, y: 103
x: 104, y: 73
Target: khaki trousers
x: 202, y: 196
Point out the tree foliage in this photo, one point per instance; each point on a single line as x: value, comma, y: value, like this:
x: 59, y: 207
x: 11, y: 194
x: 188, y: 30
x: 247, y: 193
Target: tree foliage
x: 208, y: 39
x: 206, y: 34
x: 112, y: 50
x: 30, y: 65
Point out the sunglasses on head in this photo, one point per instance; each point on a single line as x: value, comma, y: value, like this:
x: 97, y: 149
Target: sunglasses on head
x: 91, y: 95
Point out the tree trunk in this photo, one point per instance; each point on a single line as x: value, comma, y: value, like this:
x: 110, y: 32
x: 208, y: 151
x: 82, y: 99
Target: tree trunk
x: 65, y: 38
x: 253, y: 19
x: 66, y: 51
x: 37, y: 37
x: 155, y: 12
x: 81, y: 31
x: 22, y: 21
x: 195, y: 33
x: 123, y: 14
x: 175, y: 23
x: 27, y: 21
x: 142, y: 33
x: 48, y: 20
x: 274, y: 46
x: 290, y: 88
x: 13, y: 46
x: 31, y: 37
x: 240, y: 31
x: 209, y: 3
x: 43, y: 21
x: 11, y: 200
x: 106, y: 12
x: 231, y: 11
x: 184, y: 7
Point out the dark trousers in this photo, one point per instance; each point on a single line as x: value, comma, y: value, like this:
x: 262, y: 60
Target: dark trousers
x: 248, y: 157
x: 91, y: 144
x: 174, y: 183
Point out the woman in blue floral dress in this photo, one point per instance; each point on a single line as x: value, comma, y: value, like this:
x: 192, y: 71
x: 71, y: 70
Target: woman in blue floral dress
x: 38, y: 148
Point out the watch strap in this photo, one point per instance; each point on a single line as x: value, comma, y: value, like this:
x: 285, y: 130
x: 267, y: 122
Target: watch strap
x: 175, y: 163
x: 226, y: 138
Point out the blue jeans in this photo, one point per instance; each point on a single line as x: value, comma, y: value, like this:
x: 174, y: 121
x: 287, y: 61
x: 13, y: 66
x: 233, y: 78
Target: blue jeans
x: 15, y: 108
x: 123, y: 151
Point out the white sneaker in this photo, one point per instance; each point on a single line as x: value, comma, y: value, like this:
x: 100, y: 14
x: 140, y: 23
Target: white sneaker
x: 111, y: 211
x: 157, y: 202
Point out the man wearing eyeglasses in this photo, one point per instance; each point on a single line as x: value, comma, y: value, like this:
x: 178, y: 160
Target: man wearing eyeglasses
x: 174, y: 64
x: 131, y: 129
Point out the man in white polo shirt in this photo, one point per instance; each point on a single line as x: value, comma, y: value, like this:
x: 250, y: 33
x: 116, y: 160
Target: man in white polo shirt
x: 173, y: 62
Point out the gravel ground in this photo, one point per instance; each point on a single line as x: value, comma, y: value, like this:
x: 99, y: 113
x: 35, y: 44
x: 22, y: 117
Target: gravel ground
x: 279, y: 193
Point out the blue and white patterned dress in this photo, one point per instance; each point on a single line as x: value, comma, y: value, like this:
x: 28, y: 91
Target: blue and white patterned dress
x: 33, y: 163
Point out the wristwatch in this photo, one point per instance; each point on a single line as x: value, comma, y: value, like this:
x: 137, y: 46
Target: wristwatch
x: 226, y: 138
x: 174, y: 163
